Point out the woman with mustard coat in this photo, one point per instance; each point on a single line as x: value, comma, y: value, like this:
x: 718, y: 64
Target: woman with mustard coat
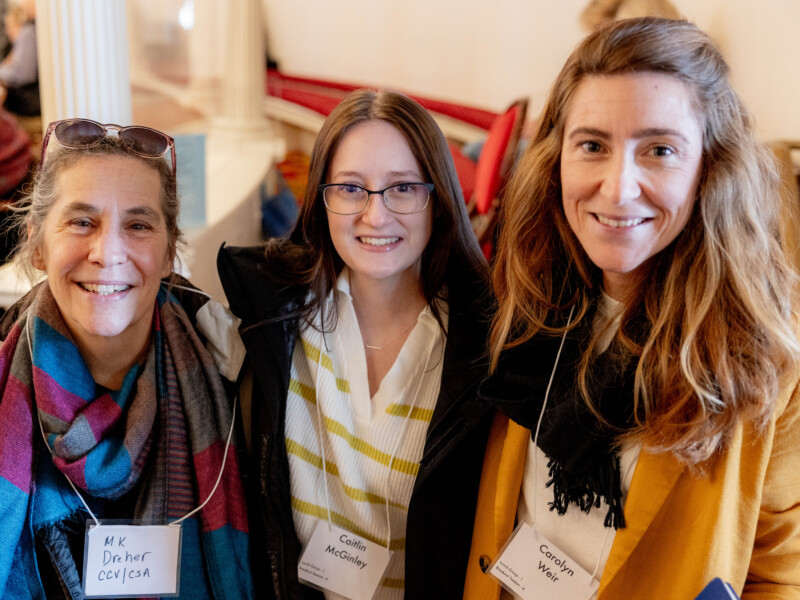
x: 645, y: 346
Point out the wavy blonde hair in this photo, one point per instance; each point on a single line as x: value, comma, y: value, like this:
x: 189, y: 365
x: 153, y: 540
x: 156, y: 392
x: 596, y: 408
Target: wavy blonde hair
x: 720, y: 301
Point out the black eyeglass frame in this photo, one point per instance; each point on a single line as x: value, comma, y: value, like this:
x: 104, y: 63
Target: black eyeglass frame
x: 428, y: 186
x: 51, y: 130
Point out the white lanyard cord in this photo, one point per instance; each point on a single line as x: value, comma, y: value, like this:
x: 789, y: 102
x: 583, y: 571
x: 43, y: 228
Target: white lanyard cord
x: 221, y: 469
x: 322, y: 441
x: 402, y: 435
x: 536, y: 447
x: 188, y: 289
x: 75, y: 489
x: 541, y: 414
x: 230, y: 431
x: 394, y: 452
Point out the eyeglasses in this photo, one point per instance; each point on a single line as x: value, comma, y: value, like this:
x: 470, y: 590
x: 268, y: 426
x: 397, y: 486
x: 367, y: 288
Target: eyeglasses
x: 400, y: 198
x: 84, y: 133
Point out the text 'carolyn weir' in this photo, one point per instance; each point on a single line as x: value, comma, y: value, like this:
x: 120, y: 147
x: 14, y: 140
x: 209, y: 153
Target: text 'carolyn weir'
x: 561, y: 563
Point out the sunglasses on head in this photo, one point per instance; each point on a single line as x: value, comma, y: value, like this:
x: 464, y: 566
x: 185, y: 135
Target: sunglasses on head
x: 84, y: 133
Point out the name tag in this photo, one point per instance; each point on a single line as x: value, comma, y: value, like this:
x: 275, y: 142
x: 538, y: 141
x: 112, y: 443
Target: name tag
x: 131, y: 560
x: 343, y: 562
x: 531, y: 567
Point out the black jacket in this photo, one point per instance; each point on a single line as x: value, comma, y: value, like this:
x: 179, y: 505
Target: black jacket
x: 442, y: 507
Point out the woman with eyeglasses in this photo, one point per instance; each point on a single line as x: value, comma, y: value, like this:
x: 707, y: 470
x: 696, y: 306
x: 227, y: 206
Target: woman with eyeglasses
x: 110, y: 406
x: 646, y: 342
x: 365, y: 332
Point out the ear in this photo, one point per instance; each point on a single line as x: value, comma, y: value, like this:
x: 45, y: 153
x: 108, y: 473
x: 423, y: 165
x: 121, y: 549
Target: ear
x: 37, y: 257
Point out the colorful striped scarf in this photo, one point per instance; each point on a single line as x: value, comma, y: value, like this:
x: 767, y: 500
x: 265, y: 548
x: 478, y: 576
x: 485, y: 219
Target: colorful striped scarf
x: 161, y: 437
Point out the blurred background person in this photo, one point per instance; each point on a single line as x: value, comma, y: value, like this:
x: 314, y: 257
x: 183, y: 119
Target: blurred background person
x: 5, y: 43
x: 19, y: 71
x: 15, y: 160
x: 601, y: 12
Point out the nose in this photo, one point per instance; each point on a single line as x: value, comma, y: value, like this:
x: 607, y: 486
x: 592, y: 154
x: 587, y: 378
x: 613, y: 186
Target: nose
x: 108, y: 248
x: 375, y: 213
x: 621, y: 180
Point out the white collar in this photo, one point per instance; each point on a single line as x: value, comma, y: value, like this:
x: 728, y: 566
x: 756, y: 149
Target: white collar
x: 342, y: 293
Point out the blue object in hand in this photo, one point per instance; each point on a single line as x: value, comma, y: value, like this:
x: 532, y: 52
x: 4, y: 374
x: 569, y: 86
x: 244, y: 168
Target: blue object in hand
x: 718, y: 590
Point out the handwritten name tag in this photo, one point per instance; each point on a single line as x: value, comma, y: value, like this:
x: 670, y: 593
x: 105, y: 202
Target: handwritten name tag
x: 531, y: 567
x: 131, y: 560
x: 343, y: 562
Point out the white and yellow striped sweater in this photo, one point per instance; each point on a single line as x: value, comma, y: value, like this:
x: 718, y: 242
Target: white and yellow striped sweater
x: 360, y: 433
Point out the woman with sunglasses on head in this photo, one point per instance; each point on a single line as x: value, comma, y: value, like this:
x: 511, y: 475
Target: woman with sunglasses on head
x: 365, y: 333
x: 646, y: 341
x: 111, y: 407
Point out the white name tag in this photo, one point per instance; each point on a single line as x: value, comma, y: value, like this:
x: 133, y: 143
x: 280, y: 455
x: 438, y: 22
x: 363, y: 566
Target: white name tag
x: 131, y: 560
x: 343, y: 562
x: 531, y: 567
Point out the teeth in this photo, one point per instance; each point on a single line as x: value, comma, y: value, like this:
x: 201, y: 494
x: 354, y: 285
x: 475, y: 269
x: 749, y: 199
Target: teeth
x: 373, y: 241
x: 618, y: 223
x: 104, y: 289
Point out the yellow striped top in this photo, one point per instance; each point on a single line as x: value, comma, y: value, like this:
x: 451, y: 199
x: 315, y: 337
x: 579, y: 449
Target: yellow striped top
x: 360, y: 433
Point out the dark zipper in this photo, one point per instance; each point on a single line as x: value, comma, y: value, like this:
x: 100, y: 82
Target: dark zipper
x: 276, y: 559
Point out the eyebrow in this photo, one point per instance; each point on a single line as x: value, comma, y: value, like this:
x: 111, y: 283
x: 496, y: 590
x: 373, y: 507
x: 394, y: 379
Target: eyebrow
x: 85, y: 207
x: 639, y: 134
x: 143, y: 211
x: 390, y: 174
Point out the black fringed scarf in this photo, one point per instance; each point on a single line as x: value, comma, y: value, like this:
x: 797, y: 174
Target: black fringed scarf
x: 582, y: 451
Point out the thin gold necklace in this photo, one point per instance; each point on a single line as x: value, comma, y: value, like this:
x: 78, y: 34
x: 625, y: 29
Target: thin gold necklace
x: 406, y: 328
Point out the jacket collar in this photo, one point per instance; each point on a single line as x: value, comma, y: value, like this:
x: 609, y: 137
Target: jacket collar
x: 653, y: 480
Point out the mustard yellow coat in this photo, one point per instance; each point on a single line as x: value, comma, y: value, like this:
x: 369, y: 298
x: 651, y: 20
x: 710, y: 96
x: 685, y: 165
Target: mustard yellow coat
x: 741, y: 522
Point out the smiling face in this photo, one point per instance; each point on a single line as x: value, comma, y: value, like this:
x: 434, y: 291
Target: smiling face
x: 630, y: 164
x: 104, y: 249
x: 377, y: 244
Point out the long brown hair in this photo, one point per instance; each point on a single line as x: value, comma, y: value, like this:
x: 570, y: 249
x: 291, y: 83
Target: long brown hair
x: 719, y: 302
x: 308, y: 258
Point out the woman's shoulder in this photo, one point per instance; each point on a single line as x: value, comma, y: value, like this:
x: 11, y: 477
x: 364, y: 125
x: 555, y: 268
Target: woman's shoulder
x: 787, y: 405
x: 238, y: 259
x: 10, y: 316
x: 250, y: 281
x: 788, y: 398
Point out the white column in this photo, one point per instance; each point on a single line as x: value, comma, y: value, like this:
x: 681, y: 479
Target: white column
x: 245, y: 72
x: 206, y: 55
x: 83, y: 60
